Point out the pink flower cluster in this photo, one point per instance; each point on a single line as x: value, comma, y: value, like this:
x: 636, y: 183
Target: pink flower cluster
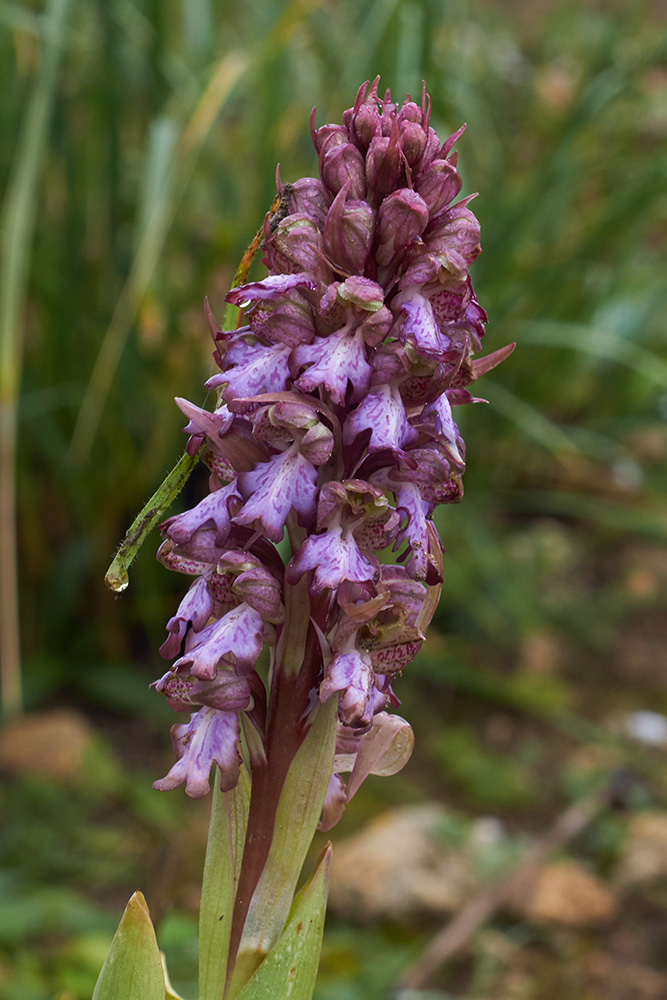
x: 334, y: 431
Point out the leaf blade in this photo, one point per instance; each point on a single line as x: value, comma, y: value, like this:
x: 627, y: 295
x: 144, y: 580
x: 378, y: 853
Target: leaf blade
x: 290, y: 969
x: 133, y: 967
x: 229, y: 817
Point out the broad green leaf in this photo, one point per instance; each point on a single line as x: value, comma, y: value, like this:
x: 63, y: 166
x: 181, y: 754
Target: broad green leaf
x: 289, y: 970
x: 133, y: 968
x: 298, y: 812
x: 229, y: 817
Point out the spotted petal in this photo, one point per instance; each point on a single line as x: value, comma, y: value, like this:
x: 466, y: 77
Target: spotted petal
x: 332, y: 362
x: 236, y: 639
x: 383, y: 413
x: 335, y: 557
x: 351, y: 674
x: 211, y: 737
x: 194, y: 609
x: 273, y: 488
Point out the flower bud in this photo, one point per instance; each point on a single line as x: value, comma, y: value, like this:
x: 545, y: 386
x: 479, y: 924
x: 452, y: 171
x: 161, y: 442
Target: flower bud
x: 294, y: 246
x: 384, y: 164
x: 344, y: 165
x: 348, y: 233
x: 328, y: 136
x: 438, y: 185
x: 458, y: 230
x: 412, y: 141
x: 361, y: 292
x: 310, y: 197
x: 402, y: 217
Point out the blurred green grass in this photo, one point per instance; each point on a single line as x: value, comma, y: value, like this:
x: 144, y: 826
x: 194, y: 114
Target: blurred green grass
x: 168, y: 121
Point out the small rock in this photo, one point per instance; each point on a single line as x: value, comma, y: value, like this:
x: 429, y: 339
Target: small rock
x: 52, y: 744
x: 646, y: 727
x: 398, y: 866
x: 565, y: 893
x: 645, y: 855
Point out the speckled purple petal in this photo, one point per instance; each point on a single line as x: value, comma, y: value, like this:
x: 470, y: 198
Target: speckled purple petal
x: 415, y: 533
x: 335, y: 556
x: 288, y: 320
x: 269, y: 288
x: 395, y: 657
x: 266, y: 369
x: 383, y: 413
x: 352, y: 674
x: 211, y: 737
x: 194, y: 609
x: 227, y: 691
x: 419, y: 326
x: 440, y: 412
x: 171, y: 557
x: 236, y: 639
x: 273, y: 488
x: 332, y: 361
x: 214, y: 508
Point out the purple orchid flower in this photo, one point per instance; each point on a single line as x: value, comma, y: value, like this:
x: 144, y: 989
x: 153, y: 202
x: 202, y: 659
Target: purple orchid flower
x: 332, y: 443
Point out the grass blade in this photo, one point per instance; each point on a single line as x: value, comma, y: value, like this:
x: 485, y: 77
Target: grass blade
x: 16, y: 231
x: 226, y: 75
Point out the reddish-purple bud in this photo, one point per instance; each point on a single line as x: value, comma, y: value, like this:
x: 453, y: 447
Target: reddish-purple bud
x: 384, y: 164
x: 431, y: 150
x: 310, y: 197
x: 327, y: 135
x: 413, y: 141
x: 366, y: 125
x: 348, y: 234
x: 438, y: 185
x: 362, y: 292
x: 402, y: 217
x: 294, y: 246
x: 341, y: 166
x: 456, y: 230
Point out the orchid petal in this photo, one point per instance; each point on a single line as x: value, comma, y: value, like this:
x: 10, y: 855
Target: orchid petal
x: 211, y: 737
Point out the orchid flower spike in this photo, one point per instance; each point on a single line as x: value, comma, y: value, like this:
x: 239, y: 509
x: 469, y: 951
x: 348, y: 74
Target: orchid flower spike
x: 332, y: 444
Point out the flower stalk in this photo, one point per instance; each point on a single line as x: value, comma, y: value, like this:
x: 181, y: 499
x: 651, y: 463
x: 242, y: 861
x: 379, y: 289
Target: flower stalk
x: 331, y: 445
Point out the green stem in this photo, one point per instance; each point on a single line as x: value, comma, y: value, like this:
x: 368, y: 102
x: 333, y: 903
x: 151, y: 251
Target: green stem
x: 287, y: 793
x: 149, y: 516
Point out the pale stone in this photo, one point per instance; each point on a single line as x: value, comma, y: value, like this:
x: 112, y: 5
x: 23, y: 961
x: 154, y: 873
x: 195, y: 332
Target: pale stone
x: 53, y: 744
x: 399, y: 865
x: 564, y: 893
x: 645, y: 857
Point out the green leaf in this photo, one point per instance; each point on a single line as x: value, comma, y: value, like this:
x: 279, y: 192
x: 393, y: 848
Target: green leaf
x: 133, y: 968
x: 229, y: 817
x: 298, y: 812
x: 289, y: 970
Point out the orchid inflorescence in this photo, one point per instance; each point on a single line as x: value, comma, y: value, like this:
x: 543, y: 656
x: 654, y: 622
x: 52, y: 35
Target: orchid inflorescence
x: 332, y: 444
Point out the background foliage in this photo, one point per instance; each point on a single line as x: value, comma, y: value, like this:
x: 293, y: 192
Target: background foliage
x: 168, y: 120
